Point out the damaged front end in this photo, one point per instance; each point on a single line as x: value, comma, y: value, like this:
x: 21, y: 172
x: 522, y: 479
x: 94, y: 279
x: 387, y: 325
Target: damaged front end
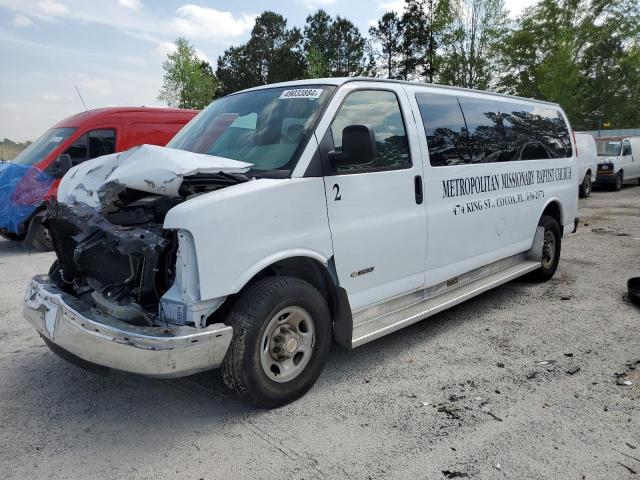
x: 120, y: 277
x: 120, y: 263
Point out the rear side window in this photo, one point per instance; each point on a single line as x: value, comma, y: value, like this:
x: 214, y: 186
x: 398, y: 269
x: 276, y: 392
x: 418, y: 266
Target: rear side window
x: 379, y: 110
x: 445, y: 129
x: 497, y: 130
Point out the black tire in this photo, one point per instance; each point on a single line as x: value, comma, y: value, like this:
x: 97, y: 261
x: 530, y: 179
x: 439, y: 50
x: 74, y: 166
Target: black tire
x: 550, y: 260
x: 14, y: 237
x: 585, y: 186
x: 38, y: 235
x: 619, y: 181
x: 252, y: 312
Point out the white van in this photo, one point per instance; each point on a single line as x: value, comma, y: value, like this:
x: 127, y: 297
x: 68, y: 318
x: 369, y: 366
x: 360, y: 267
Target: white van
x: 587, y: 156
x: 618, y: 161
x: 287, y: 217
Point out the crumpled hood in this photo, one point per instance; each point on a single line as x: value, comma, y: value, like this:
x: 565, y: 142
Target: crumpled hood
x: 148, y: 168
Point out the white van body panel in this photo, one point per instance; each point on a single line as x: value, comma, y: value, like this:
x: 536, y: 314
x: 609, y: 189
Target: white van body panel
x: 374, y: 219
x: 244, y: 228
x: 587, y: 159
x: 460, y: 241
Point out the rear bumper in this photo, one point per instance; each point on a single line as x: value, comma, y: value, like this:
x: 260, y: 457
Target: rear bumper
x: 172, y: 351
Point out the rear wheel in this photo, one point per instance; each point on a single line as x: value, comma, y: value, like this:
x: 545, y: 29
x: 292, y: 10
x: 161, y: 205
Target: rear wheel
x: 585, y: 186
x: 552, y: 242
x: 619, y: 181
x: 281, y: 339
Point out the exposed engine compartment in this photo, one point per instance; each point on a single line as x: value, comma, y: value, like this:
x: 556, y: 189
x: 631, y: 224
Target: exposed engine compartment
x: 118, y: 258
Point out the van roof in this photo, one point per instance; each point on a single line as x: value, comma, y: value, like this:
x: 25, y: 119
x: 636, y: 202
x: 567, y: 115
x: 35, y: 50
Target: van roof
x: 342, y: 80
x: 95, y: 114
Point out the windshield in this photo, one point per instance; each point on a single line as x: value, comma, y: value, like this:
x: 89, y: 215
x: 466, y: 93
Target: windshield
x: 609, y: 149
x: 267, y: 128
x: 43, y: 146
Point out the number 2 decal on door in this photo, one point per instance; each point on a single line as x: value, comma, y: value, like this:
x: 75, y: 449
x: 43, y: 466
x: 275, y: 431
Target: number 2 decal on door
x: 336, y: 187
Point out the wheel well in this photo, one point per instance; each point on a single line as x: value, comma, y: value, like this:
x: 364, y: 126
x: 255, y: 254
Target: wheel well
x: 306, y: 269
x: 322, y: 278
x: 553, y: 210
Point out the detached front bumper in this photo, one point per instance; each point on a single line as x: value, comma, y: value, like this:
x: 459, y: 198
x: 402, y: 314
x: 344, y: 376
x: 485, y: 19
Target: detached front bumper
x: 173, y: 351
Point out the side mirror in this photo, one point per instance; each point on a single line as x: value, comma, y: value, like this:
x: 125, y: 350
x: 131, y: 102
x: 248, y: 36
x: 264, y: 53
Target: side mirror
x: 358, y: 147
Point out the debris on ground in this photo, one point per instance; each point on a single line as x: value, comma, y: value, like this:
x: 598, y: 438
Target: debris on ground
x: 631, y: 470
x: 568, y: 354
x: 532, y: 375
x: 500, y: 365
x: 566, y: 297
x: 573, y: 370
x: 449, y: 411
x: 632, y: 447
x: 454, y: 474
x: 620, y: 379
x: 493, y: 415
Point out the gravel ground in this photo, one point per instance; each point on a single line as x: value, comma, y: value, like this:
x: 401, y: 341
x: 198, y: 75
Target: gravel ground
x: 480, y: 391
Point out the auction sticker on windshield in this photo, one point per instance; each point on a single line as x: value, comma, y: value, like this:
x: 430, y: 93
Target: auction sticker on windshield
x: 301, y: 93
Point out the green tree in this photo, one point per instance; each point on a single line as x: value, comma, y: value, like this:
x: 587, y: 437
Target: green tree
x: 470, y: 47
x: 582, y: 54
x: 273, y: 53
x: 188, y: 81
x: 426, y: 24
x: 336, y: 45
x: 387, y: 40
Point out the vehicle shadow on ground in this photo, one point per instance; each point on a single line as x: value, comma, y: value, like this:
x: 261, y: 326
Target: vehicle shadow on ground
x: 10, y: 248
x: 66, y: 391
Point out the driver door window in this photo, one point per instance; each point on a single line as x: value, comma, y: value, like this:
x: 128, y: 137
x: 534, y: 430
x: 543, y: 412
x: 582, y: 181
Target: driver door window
x: 626, y: 149
x: 379, y: 110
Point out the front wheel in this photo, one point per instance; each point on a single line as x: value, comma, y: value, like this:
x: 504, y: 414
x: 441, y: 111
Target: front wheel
x: 281, y: 339
x: 38, y: 234
x: 619, y: 181
x: 552, y: 242
x: 585, y: 186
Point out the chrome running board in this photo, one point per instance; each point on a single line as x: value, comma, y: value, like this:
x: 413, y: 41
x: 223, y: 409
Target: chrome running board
x: 379, y: 320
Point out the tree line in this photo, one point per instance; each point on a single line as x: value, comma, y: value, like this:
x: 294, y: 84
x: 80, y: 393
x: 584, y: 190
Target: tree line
x: 582, y: 54
x: 10, y: 149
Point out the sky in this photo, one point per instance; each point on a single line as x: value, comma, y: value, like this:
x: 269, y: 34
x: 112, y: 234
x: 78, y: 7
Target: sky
x: 113, y: 50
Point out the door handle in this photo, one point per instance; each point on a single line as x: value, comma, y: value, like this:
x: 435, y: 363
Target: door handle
x: 417, y: 183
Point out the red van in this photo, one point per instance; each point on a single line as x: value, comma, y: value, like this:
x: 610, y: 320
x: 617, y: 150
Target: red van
x: 82, y: 137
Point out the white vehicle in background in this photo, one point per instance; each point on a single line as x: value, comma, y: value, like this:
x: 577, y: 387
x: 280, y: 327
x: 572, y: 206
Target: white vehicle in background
x: 618, y: 160
x: 587, y: 156
x: 287, y: 217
